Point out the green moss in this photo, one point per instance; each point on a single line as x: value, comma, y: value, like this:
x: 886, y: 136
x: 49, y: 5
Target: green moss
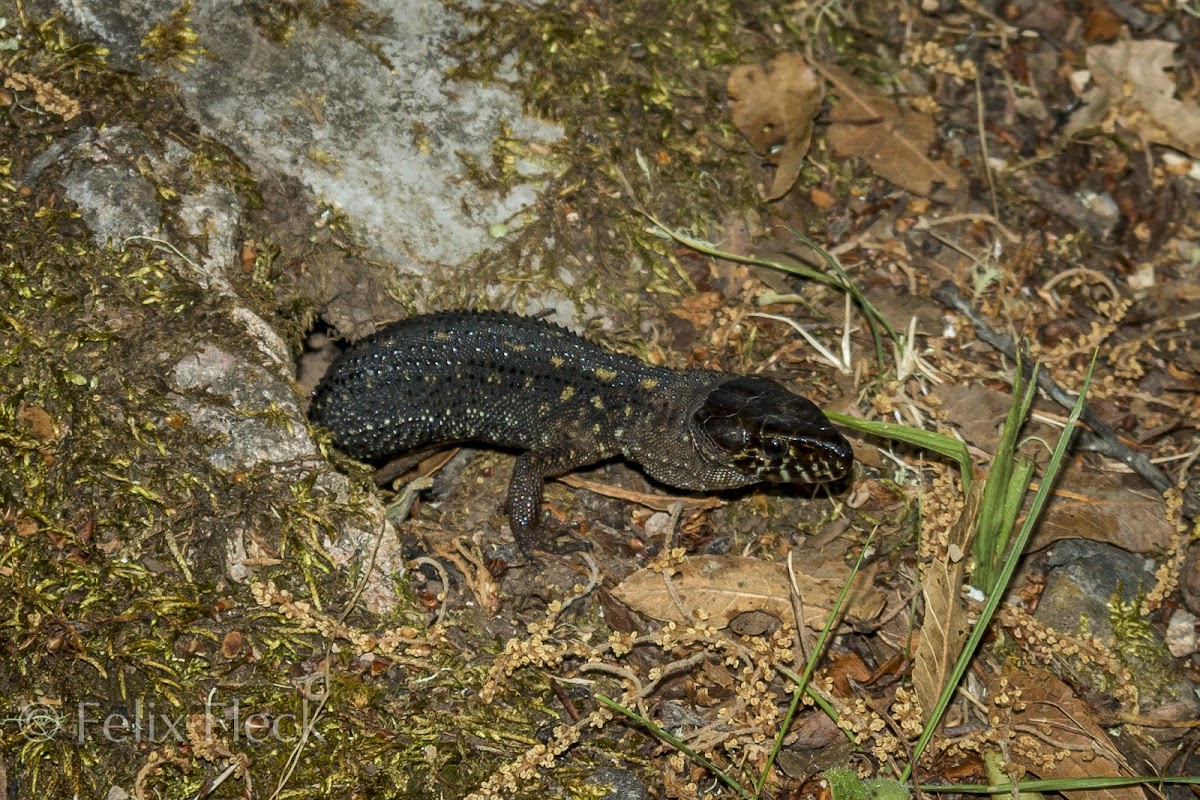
x: 173, y: 43
x: 113, y: 523
x: 640, y: 91
x: 1140, y: 649
x: 114, y: 597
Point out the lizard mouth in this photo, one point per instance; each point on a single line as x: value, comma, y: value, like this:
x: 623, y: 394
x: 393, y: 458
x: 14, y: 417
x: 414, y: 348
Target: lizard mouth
x: 814, y: 464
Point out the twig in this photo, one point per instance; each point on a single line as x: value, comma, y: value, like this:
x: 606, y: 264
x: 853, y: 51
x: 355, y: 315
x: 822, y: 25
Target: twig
x: 1068, y: 208
x: 1101, y: 438
x: 658, y: 502
x: 981, y: 122
x: 925, y: 223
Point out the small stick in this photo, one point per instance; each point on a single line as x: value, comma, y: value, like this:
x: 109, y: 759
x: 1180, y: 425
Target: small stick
x: 1101, y: 438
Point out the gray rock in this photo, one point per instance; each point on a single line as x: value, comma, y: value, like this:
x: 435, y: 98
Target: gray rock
x: 1084, y: 575
x: 381, y: 146
x: 256, y: 416
x: 228, y: 396
x: 115, y: 201
x: 241, y: 391
x: 1181, y: 633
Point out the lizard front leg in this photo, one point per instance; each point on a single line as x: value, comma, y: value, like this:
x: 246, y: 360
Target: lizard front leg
x: 528, y: 482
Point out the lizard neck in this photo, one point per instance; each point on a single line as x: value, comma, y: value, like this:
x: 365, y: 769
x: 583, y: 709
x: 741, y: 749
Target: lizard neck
x: 668, y: 444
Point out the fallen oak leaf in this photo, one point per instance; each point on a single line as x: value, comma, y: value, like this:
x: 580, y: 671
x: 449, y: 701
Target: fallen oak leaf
x: 846, y: 671
x: 945, y: 627
x: 724, y: 587
x: 774, y: 108
x: 894, y: 141
x: 1051, y: 717
x: 1134, y: 86
x: 1102, y: 510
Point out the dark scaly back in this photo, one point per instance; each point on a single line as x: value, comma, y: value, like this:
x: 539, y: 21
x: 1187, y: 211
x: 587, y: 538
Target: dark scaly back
x: 465, y: 376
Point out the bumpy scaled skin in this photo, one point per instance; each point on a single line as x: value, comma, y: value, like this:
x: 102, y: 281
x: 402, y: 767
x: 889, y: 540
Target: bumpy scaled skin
x: 515, y: 382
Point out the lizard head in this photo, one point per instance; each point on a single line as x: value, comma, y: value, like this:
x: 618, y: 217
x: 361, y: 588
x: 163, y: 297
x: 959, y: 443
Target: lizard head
x: 770, y: 434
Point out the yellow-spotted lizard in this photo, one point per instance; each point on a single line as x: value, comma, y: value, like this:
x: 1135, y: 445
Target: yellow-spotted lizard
x: 520, y: 383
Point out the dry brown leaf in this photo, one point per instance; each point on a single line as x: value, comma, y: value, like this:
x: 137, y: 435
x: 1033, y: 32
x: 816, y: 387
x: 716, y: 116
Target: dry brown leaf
x: 1098, y: 508
x: 774, y: 109
x: 977, y: 410
x: 725, y: 586
x: 945, y: 627
x: 846, y: 671
x: 231, y: 645
x: 1101, y: 23
x: 40, y: 423
x: 894, y: 141
x: 1065, y: 724
x: 1135, y: 86
x: 699, y: 309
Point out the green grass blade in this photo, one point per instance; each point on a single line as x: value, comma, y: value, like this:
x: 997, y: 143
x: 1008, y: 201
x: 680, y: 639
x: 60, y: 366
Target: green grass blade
x: 676, y: 743
x: 810, y: 667
x: 938, y: 443
x: 1010, y: 568
x: 839, y: 280
x: 1059, y: 785
x: 874, y: 319
x: 996, y: 515
x: 1018, y: 486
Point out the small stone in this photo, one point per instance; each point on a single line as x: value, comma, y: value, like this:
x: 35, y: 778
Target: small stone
x: 1181, y: 634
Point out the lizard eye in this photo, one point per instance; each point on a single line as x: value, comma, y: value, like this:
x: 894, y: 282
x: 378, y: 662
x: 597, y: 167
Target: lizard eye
x: 774, y: 447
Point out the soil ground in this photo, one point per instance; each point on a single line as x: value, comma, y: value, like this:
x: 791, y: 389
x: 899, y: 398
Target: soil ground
x: 977, y: 173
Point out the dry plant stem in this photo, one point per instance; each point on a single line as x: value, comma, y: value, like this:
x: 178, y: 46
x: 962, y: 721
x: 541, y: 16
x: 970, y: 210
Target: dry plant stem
x: 593, y: 581
x: 925, y: 223
x: 665, y: 672
x: 564, y: 698
x: 672, y: 528
x: 620, y: 673
x: 884, y: 714
x: 683, y: 610
x: 1098, y: 277
x: 1101, y: 438
x: 1066, y: 207
x: 803, y: 647
x: 981, y: 122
